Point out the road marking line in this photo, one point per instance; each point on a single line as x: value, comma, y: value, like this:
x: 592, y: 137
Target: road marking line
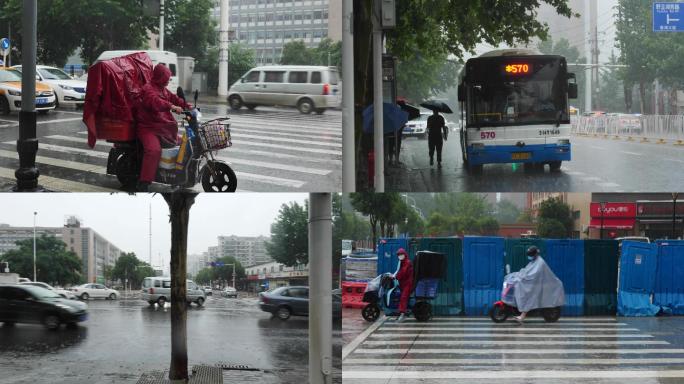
x: 298, y: 149
x: 59, y: 162
x: 337, y: 138
x: 489, y: 335
x: 592, y: 361
x: 270, y: 180
x: 56, y: 184
x: 539, y: 350
x: 350, y: 347
x: 516, y: 342
x: 481, y: 318
x: 286, y: 140
x: 442, y: 323
x: 631, y: 153
x: 73, y: 151
x: 513, y: 374
x: 59, y: 120
x: 509, y: 329
x: 283, y: 167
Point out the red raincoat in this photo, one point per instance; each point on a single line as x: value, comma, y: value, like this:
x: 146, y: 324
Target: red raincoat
x: 154, y: 115
x: 405, y: 277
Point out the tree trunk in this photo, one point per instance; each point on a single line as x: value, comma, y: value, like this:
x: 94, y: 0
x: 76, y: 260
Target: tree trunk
x: 642, y: 97
x: 374, y: 229
x: 363, y: 86
x: 179, y: 212
x: 628, y: 96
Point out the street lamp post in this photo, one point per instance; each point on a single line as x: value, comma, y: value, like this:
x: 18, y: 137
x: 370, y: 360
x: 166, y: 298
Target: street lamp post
x: 34, y: 245
x: 603, y: 212
x: 674, y: 215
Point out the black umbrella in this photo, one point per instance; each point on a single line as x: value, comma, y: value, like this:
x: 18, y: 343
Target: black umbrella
x: 413, y: 111
x: 438, y: 106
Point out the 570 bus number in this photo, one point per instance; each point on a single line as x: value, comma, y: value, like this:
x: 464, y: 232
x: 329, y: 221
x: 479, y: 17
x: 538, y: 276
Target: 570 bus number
x: 487, y: 135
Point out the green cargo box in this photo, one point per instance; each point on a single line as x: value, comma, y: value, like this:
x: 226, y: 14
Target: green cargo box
x: 601, y: 259
x: 449, y: 300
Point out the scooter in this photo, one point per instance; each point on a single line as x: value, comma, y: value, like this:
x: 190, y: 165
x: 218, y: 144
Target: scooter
x: 501, y: 310
x: 183, y: 165
x: 386, y: 299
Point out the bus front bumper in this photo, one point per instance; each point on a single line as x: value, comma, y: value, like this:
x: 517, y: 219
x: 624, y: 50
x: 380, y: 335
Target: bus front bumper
x: 541, y: 153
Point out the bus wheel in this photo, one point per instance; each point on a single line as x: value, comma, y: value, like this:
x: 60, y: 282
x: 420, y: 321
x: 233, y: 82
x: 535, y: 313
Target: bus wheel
x: 555, y: 166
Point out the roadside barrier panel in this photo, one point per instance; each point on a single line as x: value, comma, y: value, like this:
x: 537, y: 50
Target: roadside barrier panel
x: 352, y: 294
x: 638, y: 262
x: 660, y: 129
x: 387, y: 254
x: 601, y: 259
x: 516, y: 253
x: 566, y: 260
x: 669, y: 282
x: 482, y: 273
x: 449, y: 300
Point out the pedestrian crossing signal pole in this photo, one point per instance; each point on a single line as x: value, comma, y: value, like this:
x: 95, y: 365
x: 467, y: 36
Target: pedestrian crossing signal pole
x: 27, y: 145
x: 223, y: 49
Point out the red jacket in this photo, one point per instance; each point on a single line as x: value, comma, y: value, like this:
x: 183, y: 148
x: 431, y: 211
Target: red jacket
x: 154, y: 113
x: 405, y: 274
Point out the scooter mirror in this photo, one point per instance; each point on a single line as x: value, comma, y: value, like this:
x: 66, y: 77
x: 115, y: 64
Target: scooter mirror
x: 180, y: 93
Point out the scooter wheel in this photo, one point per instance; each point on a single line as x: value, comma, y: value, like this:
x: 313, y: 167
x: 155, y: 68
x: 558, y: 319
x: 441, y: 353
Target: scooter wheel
x: 126, y: 173
x: 551, y: 315
x: 223, y: 178
x: 370, y: 312
x: 498, y: 314
x: 422, y: 311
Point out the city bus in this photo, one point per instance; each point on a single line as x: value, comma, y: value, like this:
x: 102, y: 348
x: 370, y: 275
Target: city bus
x: 514, y: 109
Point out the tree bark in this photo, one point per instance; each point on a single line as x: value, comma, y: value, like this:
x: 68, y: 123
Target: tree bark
x: 179, y: 214
x: 363, y: 86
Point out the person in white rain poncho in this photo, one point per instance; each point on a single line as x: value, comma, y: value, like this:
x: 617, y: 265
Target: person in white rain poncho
x: 535, y: 286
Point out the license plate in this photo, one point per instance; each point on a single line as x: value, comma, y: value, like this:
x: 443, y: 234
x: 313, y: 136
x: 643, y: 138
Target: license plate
x: 41, y: 101
x: 83, y: 317
x: 521, y: 156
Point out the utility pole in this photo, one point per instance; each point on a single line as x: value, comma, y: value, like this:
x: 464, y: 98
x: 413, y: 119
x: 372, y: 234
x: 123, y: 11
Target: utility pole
x: 378, y: 128
x: 161, y: 25
x: 594, y: 51
x: 588, y: 89
x: 320, y: 288
x: 34, y: 245
x: 223, y: 49
x: 150, y: 230
x: 27, y: 145
x: 348, y: 147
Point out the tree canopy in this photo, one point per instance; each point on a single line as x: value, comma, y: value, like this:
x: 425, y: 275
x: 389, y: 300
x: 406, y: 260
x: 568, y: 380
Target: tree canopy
x: 224, y: 273
x: 555, y: 219
x: 55, y: 264
x: 130, y: 270
x: 289, y: 244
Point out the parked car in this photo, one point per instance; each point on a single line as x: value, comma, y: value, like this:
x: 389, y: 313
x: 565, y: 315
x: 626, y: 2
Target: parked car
x: 167, y: 58
x: 32, y: 304
x: 208, y: 291
x: 284, y: 302
x: 229, y: 292
x: 417, y: 127
x: 62, y: 292
x: 309, y: 88
x: 86, y: 291
x: 158, y: 290
x: 68, y: 91
x: 10, y: 93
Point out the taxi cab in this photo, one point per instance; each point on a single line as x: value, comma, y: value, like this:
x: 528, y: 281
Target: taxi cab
x: 10, y: 93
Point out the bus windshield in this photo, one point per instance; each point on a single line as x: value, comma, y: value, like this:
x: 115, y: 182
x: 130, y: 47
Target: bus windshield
x: 501, y: 93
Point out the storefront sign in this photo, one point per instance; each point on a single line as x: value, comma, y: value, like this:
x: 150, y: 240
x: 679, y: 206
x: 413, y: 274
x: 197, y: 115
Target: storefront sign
x: 613, y: 215
x: 658, y: 209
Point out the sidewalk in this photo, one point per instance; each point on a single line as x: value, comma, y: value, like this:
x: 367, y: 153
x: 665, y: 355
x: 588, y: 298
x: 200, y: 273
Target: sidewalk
x: 355, y: 329
x: 207, y: 374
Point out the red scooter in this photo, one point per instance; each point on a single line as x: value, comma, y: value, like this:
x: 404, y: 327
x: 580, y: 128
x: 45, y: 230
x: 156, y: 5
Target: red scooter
x: 500, y: 311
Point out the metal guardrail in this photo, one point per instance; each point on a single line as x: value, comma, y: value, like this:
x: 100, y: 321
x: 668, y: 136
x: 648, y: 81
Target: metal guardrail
x: 653, y: 128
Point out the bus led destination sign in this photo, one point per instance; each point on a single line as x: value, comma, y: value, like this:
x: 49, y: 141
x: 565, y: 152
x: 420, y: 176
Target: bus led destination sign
x: 517, y: 68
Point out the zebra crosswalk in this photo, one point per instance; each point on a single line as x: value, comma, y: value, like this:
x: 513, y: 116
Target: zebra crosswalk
x: 476, y: 350
x: 277, y: 151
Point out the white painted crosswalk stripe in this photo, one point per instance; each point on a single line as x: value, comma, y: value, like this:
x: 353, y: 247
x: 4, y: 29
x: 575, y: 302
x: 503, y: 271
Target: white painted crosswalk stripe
x: 528, y: 320
x: 515, y: 342
x: 477, y: 351
x: 514, y: 361
x: 512, y: 329
x: 508, y: 334
x: 514, y: 374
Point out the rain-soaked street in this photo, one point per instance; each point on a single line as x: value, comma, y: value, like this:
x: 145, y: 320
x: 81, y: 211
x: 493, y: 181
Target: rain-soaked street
x: 476, y: 350
x: 122, y: 339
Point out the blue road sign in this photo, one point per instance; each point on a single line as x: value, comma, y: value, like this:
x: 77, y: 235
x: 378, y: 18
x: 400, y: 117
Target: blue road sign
x: 220, y: 263
x: 668, y: 17
x: 5, y: 43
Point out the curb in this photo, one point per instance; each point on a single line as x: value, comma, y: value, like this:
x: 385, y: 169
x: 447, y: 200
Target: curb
x: 349, y: 348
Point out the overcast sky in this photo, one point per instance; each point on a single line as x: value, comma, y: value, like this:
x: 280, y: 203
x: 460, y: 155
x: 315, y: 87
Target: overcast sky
x: 124, y: 219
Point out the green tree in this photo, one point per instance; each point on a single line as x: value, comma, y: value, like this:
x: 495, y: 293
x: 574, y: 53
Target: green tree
x: 205, y: 276
x: 435, y: 28
x: 225, y: 272
x: 190, y: 28
x: 347, y: 225
x: 507, y: 212
x: 289, y: 243
x: 55, y: 265
x: 487, y: 226
x: 296, y: 53
x: 328, y: 53
x: 554, y: 215
x: 572, y: 55
x: 526, y: 216
x: 384, y: 211
x: 129, y: 268
x: 421, y: 77
x: 240, y: 60
x: 107, y: 274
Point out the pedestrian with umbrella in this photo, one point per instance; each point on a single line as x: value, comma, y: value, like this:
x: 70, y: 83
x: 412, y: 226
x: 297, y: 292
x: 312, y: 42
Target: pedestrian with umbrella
x: 437, y: 129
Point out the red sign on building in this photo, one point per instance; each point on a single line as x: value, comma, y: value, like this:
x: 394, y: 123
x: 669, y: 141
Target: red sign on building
x: 613, y: 215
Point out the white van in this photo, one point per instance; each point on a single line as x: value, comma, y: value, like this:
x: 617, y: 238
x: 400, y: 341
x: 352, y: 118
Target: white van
x: 309, y: 88
x: 165, y: 57
x: 158, y: 290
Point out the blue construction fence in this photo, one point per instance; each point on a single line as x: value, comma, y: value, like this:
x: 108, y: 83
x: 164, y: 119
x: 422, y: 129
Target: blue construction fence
x: 599, y: 278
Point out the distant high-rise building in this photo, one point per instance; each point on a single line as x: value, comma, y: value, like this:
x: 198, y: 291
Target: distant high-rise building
x: 266, y: 25
x: 94, y: 251
x: 247, y: 250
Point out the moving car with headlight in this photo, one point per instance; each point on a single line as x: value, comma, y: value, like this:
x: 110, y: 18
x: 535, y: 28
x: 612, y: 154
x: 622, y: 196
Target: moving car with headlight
x: 31, y: 304
x: 68, y: 91
x: 417, y: 127
x: 283, y: 302
x: 10, y: 93
x: 86, y: 291
x: 62, y: 292
x: 229, y: 292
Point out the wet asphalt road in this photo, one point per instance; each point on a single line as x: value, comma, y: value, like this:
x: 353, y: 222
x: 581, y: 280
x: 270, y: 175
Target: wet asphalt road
x: 475, y: 350
x: 274, y: 149
x: 598, y: 165
x: 123, y: 339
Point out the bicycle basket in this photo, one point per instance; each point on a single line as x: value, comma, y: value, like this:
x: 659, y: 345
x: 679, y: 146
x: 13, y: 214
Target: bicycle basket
x: 215, y: 135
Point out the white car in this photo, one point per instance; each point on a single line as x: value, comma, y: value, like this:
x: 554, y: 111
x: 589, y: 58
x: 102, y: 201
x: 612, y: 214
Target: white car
x: 86, y: 291
x: 229, y: 292
x: 62, y: 292
x: 68, y: 90
x: 417, y: 126
x: 10, y: 93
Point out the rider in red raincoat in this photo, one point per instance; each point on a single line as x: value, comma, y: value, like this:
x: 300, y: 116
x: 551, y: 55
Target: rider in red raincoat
x: 405, y: 277
x: 156, y: 124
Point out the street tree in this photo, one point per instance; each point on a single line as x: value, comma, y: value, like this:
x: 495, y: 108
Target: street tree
x: 190, y: 28
x: 179, y: 213
x: 384, y: 211
x: 225, y: 272
x: 289, y: 244
x: 347, y: 225
x: 125, y: 269
x: 507, y: 212
x: 55, y: 264
x: 422, y: 77
x: 554, y: 219
x: 296, y: 53
x: 572, y: 55
x: 438, y: 28
x: 327, y: 53
x: 205, y: 276
x: 240, y: 60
